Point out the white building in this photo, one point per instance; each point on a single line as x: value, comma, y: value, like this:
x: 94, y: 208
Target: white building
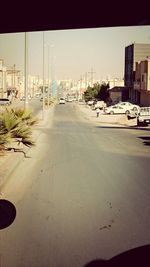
x: 113, y: 82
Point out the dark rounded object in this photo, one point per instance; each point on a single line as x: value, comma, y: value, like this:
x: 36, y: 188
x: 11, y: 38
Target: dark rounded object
x: 7, y: 213
x: 139, y: 256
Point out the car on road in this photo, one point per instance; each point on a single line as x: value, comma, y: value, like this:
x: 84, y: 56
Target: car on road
x: 129, y: 106
x: 61, y: 100
x: 5, y: 101
x: 117, y: 109
x: 23, y: 98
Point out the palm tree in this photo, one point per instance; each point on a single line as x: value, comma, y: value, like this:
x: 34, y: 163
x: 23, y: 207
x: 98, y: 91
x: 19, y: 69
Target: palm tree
x: 16, y: 126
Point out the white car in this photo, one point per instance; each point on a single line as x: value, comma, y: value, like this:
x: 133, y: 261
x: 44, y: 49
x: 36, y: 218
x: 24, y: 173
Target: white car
x: 129, y: 106
x: 90, y: 102
x: 100, y: 104
x: 5, y: 101
x: 61, y: 100
x: 117, y: 109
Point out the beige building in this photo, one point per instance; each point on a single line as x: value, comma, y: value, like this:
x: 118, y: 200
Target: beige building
x: 142, y: 82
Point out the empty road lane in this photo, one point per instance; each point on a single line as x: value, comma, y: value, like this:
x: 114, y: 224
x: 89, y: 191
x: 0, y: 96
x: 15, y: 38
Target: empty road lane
x: 83, y: 194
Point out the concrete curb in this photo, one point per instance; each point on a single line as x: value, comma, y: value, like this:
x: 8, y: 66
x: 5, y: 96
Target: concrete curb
x: 10, y: 161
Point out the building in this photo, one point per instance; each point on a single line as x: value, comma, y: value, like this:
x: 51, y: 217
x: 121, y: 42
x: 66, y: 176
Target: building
x: 119, y: 93
x: 9, y: 80
x: 115, y: 82
x: 3, y: 75
x: 142, y: 82
x: 134, y: 53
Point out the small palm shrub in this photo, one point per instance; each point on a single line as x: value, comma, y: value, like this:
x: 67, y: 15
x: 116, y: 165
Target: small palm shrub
x: 16, y: 126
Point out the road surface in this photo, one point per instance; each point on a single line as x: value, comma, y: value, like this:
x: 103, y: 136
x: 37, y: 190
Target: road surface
x: 83, y: 194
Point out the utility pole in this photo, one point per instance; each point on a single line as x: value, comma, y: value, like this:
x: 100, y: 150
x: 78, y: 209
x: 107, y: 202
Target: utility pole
x: 81, y: 79
x: 53, y: 92
x: 91, y: 72
x: 86, y: 80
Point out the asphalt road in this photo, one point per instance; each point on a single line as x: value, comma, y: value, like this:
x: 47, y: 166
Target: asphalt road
x: 83, y: 194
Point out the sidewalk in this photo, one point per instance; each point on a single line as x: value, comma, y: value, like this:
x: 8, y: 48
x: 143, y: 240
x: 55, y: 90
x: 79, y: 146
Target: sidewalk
x: 106, y: 120
x: 11, y: 159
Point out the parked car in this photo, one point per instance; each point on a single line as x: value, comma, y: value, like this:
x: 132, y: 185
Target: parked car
x: 100, y: 105
x: 142, y: 115
x: 129, y: 106
x: 117, y: 109
x: 5, y: 101
x: 61, y: 100
x: 90, y: 102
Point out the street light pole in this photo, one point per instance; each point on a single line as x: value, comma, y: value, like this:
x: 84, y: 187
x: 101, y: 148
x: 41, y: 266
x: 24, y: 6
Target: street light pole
x: 26, y: 71
x: 43, y: 107
x: 48, y: 76
x: 52, y: 70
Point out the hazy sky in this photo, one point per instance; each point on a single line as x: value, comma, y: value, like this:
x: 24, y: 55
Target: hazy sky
x: 75, y: 51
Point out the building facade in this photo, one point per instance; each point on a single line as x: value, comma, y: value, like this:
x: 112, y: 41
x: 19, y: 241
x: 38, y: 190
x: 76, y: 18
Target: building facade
x: 9, y: 80
x: 134, y: 53
x: 142, y: 82
x: 119, y: 93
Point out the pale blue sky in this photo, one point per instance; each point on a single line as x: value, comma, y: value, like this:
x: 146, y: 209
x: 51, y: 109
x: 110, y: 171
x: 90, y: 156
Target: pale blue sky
x: 75, y: 51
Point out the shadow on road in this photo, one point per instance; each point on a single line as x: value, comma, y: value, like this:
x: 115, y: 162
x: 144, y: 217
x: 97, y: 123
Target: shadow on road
x: 124, y: 127
x: 146, y: 140
x: 139, y: 256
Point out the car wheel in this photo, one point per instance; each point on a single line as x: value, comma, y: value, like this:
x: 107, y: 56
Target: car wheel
x: 111, y: 112
x: 127, y: 112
